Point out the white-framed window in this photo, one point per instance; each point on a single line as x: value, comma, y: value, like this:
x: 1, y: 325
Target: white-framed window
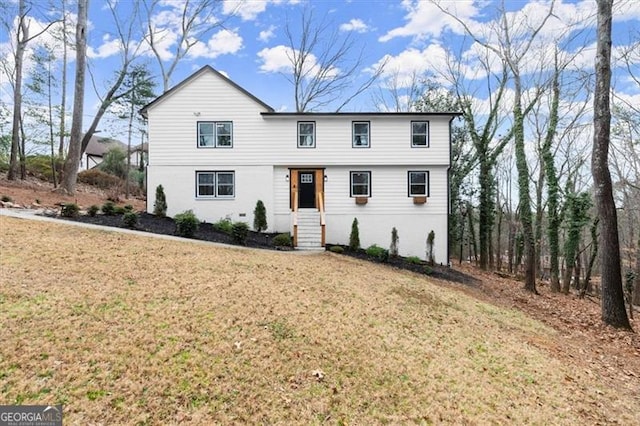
x: 420, y: 134
x: 215, y: 134
x: 418, y: 183
x: 361, y: 184
x: 210, y: 184
x: 306, y: 134
x: 360, y: 137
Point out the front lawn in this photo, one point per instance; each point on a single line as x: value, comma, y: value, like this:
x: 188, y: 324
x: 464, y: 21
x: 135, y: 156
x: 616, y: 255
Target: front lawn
x: 124, y: 329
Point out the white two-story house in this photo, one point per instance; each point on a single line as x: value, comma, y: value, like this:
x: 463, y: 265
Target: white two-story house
x: 217, y: 150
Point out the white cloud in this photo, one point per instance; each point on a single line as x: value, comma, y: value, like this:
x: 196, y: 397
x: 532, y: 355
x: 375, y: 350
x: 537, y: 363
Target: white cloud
x: 247, y: 10
x: 223, y: 42
x: 278, y: 60
x: 411, y: 63
x: 355, y: 25
x: 109, y: 47
x: 268, y: 34
x: 424, y: 18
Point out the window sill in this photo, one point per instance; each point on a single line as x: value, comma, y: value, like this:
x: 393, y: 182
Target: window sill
x: 419, y: 200
x: 362, y: 200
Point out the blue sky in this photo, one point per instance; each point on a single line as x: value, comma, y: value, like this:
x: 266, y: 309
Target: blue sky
x: 411, y: 36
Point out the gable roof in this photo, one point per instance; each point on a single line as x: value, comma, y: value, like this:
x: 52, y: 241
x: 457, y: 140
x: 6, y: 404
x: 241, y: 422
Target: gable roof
x: 98, y: 146
x: 204, y: 69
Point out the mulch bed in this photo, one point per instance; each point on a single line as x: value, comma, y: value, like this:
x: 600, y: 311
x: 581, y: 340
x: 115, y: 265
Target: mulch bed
x: 166, y: 226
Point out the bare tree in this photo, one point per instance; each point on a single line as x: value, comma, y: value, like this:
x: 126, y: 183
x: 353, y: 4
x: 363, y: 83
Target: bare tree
x: 72, y: 162
x: 324, y: 64
x: 197, y: 19
x: 22, y: 38
x: 63, y: 98
x: 613, y: 307
x: 399, y: 94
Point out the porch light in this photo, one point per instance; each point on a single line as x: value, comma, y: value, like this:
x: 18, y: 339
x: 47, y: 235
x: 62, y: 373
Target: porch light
x: 326, y: 178
x: 286, y: 178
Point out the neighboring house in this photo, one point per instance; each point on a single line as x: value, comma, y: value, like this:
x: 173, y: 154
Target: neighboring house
x: 139, y: 155
x: 217, y: 150
x: 96, y: 150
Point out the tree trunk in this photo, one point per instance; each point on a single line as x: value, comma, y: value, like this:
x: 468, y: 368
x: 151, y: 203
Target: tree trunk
x: 485, y: 211
x: 523, y: 189
x: 636, y: 291
x: 63, y: 100
x: 613, y: 306
x: 75, y: 142
x: 21, y: 43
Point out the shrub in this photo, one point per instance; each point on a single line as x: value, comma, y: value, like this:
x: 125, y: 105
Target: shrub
x: 128, y: 208
x: 336, y: 249
x: 186, y: 224
x: 98, y: 178
x: 260, y: 217
x: 160, y: 206
x: 93, y: 210
x: 120, y: 210
x: 381, y: 254
x: 414, y: 259
x: 69, y: 210
x: 428, y: 270
x: 393, y: 248
x: 130, y: 219
x: 282, y: 240
x: 109, y: 208
x: 6, y: 199
x: 39, y: 165
x: 114, y: 162
x: 223, y: 225
x: 354, y: 237
x: 430, y: 239
x: 239, y: 232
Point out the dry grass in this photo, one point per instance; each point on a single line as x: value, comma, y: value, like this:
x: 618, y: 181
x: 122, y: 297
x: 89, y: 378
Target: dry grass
x: 130, y: 330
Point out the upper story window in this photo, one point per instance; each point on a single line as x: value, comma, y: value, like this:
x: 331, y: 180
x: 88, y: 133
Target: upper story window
x: 215, y: 184
x: 420, y: 134
x: 360, y: 134
x: 419, y: 184
x: 215, y: 134
x: 361, y: 184
x: 306, y: 134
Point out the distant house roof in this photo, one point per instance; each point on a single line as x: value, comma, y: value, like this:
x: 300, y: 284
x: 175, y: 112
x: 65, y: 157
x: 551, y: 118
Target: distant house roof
x: 99, y: 146
x: 144, y: 147
x: 206, y: 68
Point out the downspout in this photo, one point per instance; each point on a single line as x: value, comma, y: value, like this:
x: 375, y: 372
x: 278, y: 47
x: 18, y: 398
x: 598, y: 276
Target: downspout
x: 449, y: 192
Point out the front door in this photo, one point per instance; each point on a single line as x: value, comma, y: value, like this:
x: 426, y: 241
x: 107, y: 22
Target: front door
x: 307, y: 191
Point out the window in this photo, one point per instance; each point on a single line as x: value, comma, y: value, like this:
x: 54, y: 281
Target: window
x: 306, y: 134
x: 361, y: 184
x: 420, y: 134
x: 418, y: 184
x: 215, y: 184
x: 360, y: 134
x: 215, y: 134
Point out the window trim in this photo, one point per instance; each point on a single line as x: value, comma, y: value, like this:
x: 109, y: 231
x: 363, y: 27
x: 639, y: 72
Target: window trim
x: 215, y: 134
x: 351, y: 174
x: 426, y: 145
x: 426, y: 183
x: 313, y: 135
x: 353, y: 134
x: 215, y: 195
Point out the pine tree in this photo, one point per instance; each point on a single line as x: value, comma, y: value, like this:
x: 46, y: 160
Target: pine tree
x: 260, y: 217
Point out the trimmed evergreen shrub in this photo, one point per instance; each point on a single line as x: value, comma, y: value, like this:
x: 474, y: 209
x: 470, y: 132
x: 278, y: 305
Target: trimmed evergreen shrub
x: 354, y: 237
x: 223, y: 225
x: 282, y: 240
x: 393, y: 248
x: 130, y: 219
x: 120, y: 210
x: 239, y: 232
x: 109, y: 208
x: 160, y: 206
x: 186, y: 224
x: 69, y: 210
x: 381, y: 254
x: 430, y: 239
x: 260, y: 217
x: 336, y: 249
x: 93, y: 210
x: 414, y: 259
x: 128, y: 207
